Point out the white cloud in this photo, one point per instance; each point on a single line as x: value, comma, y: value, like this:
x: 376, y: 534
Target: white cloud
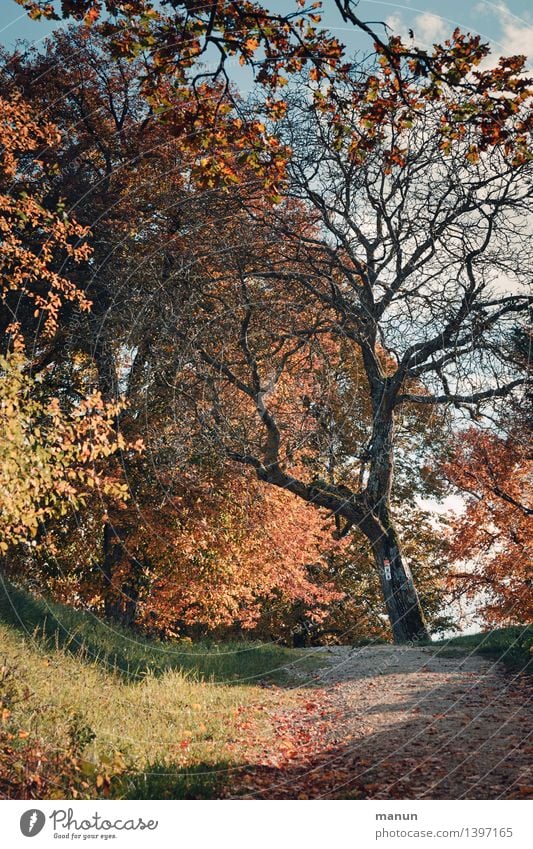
x: 517, y: 36
x: 516, y: 30
x: 429, y: 28
x: 396, y: 23
x: 452, y: 505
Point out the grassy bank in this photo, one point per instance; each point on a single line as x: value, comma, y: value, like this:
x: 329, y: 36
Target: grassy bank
x: 511, y: 646
x: 124, y: 716
x: 55, y: 626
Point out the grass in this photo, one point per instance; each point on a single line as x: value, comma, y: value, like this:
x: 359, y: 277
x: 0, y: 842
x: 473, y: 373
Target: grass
x: 55, y: 626
x: 155, y: 720
x: 144, y: 719
x: 512, y: 646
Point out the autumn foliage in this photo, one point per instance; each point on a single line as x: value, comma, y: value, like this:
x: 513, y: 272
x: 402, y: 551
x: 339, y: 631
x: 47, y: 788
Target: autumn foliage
x: 494, y: 534
x: 33, y: 238
x: 50, y: 454
x: 211, y: 422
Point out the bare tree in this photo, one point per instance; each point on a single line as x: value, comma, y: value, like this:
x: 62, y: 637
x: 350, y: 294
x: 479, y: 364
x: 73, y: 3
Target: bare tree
x: 417, y: 262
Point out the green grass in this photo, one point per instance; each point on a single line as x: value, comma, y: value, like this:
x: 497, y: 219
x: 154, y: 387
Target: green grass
x: 155, y: 720
x: 163, y: 720
x: 55, y: 626
x: 512, y: 646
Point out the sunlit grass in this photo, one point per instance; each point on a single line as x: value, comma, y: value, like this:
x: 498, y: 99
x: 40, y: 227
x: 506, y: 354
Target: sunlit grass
x: 512, y: 646
x: 165, y: 717
x: 54, y: 626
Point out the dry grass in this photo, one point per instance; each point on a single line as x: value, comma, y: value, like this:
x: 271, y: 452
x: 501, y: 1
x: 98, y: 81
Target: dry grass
x: 148, y: 719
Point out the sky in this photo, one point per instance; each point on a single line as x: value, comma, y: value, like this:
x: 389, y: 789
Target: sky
x: 508, y: 25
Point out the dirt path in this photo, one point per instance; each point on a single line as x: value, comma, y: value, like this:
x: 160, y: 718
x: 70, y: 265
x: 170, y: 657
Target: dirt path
x: 397, y: 722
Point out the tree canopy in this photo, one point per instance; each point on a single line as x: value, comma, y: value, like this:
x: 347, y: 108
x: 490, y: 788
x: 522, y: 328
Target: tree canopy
x: 240, y: 334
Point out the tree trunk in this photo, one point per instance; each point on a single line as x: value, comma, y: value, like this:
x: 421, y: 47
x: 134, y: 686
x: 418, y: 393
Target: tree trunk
x: 401, y: 598
x: 113, y: 552
x: 121, y: 595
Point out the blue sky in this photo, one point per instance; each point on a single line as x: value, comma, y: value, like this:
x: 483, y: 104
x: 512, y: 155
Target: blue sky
x: 508, y: 25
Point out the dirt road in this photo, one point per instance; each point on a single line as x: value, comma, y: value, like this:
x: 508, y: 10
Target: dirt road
x: 401, y: 722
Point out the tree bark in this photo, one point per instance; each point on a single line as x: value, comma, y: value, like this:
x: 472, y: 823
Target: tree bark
x: 121, y: 597
x: 112, y: 554
x: 399, y: 592
x: 401, y: 598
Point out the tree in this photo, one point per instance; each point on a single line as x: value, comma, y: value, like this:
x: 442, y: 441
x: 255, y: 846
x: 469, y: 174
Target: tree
x: 412, y: 250
x: 254, y: 315
x: 491, y: 539
x: 359, y: 612
x: 143, y: 575
x: 220, y: 550
x: 50, y: 451
x: 177, y: 36
x: 34, y: 239
x: 50, y: 459
x: 494, y: 475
